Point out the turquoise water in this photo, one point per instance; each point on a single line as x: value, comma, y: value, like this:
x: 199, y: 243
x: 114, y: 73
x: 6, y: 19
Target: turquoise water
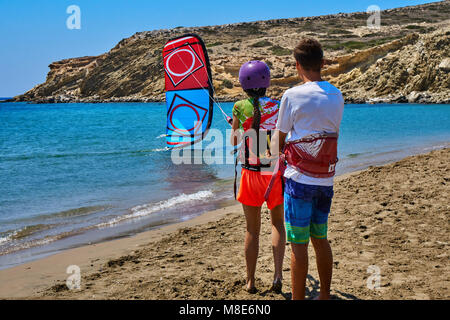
x: 77, y: 173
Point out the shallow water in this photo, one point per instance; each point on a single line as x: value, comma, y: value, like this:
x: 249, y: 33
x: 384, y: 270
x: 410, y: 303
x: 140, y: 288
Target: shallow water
x: 77, y: 173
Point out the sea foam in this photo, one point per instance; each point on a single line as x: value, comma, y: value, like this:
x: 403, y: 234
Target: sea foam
x: 147, y: 209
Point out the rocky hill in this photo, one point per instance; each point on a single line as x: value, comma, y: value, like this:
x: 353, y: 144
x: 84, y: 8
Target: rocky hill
x: 407, y: 60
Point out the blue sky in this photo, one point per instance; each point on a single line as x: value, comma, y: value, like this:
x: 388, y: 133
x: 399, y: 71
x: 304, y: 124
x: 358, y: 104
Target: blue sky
x: 33, y: 33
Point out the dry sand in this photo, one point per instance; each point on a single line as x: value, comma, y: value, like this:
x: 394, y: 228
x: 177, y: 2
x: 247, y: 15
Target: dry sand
x: 394, y: 217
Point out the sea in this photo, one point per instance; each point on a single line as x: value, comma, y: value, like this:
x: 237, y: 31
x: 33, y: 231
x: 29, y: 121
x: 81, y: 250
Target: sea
x: 76, y: 174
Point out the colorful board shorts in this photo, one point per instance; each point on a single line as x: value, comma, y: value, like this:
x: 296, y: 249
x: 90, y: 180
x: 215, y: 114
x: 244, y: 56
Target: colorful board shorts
x: 253, y: 187
x: 306, y: 210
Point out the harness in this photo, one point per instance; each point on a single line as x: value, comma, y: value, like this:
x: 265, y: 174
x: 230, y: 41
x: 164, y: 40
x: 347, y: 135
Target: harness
x: 249, y: 157
x: 314, y: 156
x: 250, y: 150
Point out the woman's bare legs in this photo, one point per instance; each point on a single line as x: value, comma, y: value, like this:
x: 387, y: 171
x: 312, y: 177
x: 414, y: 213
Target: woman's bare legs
x: 278, y: 240
x: 253, y: 218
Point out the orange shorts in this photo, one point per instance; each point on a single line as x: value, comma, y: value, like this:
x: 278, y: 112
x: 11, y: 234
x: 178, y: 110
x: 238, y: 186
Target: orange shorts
x: 253, y: 187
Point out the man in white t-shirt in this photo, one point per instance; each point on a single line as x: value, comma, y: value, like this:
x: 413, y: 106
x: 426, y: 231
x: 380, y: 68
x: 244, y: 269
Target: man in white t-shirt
x: 311, y: 109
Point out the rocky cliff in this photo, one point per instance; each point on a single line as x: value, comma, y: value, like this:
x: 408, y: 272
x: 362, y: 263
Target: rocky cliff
x: 406, y: 60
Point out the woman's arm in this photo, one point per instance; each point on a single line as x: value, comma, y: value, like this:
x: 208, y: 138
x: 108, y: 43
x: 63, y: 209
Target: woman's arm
x: 236, y: 132
x: 284, y: 125
x: 277, y: 143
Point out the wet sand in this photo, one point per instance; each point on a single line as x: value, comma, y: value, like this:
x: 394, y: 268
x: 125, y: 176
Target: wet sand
x: 393, y: 218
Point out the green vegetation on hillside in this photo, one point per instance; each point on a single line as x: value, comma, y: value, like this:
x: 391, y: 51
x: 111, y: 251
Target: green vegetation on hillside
x: 262, y: 43
x: 280, y: 51
x: 357, y: 45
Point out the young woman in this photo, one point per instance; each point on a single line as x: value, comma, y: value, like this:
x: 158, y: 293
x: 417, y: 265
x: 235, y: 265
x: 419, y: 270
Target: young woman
x: 258, y: 115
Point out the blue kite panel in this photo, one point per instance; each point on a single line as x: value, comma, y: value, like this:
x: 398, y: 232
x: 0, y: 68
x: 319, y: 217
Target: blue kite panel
x: 188, y: 116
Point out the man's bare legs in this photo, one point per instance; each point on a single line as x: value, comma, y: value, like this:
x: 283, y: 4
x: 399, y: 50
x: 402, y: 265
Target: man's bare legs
x: 299, y: 270
x: 324, y: 257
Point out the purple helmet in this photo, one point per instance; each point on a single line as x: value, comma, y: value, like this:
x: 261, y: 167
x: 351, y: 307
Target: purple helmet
x: 254, y: 75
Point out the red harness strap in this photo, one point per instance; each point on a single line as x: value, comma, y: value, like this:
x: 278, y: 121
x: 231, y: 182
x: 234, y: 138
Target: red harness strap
x: 280, y: 167
x: 314, y: 156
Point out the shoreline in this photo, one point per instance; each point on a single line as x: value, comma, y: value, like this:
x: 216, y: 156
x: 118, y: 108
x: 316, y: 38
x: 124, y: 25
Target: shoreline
x: 46, y: 251
x: 351, y: 160
x: 397, y: 100
x: 35, y: 279
x: 34, y: 253
x: 52, y: 268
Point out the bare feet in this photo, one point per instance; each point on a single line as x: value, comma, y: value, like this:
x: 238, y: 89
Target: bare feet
x: 251, y: 289
x: 277, y: 286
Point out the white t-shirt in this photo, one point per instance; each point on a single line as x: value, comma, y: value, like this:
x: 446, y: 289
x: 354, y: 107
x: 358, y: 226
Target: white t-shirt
x: 313, y: 107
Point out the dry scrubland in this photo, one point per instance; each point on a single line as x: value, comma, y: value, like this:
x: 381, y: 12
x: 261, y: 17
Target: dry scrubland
x: 407, y: 60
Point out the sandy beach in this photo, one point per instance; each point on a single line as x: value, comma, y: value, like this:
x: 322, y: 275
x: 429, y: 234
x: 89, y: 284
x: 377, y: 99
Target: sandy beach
x: 393, y: 218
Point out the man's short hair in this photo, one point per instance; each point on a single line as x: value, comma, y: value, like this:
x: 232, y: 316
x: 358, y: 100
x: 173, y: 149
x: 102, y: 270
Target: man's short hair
x: 309, y: 54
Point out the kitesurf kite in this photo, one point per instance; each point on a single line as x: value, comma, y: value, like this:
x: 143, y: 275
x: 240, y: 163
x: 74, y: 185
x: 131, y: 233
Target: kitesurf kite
x: 189, y: 91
